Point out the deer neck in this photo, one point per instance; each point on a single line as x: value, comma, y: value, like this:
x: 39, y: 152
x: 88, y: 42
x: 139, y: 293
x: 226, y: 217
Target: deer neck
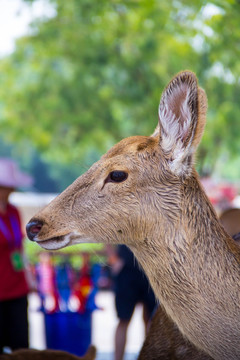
x: 193, y: 269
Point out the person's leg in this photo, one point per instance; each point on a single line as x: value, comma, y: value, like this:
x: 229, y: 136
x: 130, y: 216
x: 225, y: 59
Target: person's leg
x: 4, y: 326
x: 121, y: 338
x: 149, y: 302
x: 18, y: 320
x: 125, y: 301
x: 146, y: 318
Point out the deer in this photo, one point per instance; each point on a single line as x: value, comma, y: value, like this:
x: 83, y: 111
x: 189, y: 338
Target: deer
x: 32, y: 354
x: 145, y: 193
x: 164, y: 341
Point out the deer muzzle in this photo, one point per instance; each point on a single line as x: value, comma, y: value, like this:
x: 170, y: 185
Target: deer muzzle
x: 33, y: 228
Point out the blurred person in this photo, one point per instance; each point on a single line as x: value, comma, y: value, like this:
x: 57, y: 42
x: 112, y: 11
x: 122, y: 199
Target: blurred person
x: 131, y: 287
x: 13, y: 284
x: 230, y: 219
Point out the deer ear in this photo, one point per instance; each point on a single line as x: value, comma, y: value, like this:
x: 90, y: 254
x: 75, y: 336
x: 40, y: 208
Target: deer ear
x: 182, y: 113
x: 156, y: 131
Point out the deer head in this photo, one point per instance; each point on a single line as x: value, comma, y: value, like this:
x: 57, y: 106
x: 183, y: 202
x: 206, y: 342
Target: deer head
x: 135, y: 188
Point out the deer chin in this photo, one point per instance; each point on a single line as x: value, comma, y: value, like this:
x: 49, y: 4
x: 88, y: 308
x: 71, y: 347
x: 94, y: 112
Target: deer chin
x: 62, y: 241
x: 55, y: 243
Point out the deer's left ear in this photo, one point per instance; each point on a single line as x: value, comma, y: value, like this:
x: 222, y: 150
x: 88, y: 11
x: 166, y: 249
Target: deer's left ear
x: 182, y: 116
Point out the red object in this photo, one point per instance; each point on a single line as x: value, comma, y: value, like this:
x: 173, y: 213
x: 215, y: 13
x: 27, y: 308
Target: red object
x: 221, y: 194
x: 84, y: 286
x: 12, y: 281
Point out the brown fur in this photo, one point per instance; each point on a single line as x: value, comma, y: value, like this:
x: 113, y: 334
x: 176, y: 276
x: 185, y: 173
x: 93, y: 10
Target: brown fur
x: 162, y: 213
x: 31, y: 354
x: 165, y: 342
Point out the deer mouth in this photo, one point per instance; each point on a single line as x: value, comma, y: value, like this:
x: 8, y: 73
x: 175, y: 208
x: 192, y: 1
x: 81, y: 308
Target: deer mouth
x: 55, y: 243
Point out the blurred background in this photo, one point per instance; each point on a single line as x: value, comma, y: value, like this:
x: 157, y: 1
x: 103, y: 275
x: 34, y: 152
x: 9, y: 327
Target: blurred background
x: 78, y: 76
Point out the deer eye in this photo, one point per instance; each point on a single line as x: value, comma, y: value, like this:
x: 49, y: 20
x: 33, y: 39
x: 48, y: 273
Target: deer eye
x: 117, y: 176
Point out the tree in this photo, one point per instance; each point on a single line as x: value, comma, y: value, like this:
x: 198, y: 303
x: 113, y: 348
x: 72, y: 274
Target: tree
x: 93, y: 74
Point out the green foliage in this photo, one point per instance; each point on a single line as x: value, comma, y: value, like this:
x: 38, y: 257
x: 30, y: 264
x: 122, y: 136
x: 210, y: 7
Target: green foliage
x: 93, y: 74
x: 32, y: 251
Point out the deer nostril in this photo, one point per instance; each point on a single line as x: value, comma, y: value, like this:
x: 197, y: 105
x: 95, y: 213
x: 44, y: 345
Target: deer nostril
x: 33, y: 228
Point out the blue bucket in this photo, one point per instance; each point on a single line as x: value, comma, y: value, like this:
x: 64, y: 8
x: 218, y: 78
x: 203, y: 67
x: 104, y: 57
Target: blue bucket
x: 68, y: 331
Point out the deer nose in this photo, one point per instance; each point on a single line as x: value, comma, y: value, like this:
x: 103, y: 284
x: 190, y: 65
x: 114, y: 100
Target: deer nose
x: 33, y: 228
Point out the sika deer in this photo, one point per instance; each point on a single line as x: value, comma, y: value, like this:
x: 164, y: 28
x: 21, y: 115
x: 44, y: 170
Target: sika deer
x: 165, y: 342
x: 32, y: 354
x: 144, y: 192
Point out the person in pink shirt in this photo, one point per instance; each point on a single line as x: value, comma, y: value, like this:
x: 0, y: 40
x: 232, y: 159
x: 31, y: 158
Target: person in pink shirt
x: 13, y: 284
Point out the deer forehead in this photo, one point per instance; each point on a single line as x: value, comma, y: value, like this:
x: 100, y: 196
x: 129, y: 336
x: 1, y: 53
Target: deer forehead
x: 132, y: 146
x: 123, y: 156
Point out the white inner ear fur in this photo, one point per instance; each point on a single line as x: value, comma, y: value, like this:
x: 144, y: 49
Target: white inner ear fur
x: 175, y: 129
